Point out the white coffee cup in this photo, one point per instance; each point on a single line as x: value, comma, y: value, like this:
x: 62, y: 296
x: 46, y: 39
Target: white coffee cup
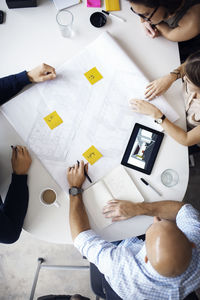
x: 48, y: 197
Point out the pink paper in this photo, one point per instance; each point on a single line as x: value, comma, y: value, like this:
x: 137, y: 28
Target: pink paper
x: 93, y: 3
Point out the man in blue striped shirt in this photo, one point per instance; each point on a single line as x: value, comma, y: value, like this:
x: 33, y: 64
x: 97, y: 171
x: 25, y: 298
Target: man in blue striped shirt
x: 166, y: 266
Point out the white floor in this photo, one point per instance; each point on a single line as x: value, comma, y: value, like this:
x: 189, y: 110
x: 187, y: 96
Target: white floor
x: 18, y: 263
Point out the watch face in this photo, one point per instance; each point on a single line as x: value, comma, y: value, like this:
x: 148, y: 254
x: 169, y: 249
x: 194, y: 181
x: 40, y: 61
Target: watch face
x: 73, y: 191
x: 159, y: 121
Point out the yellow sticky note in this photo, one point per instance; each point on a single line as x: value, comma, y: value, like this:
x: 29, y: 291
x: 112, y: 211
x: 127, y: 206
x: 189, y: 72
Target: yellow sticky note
x: 53, y: 120
x: 93, y: 75
x: 92, y: 155
x: 112, y: 5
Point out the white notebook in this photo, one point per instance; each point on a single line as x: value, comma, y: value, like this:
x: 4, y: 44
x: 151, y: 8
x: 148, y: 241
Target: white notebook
x: 116, y: 185
x: 61, y: 4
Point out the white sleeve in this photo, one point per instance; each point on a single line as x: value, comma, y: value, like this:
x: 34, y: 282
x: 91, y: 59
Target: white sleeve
x: 188, y: 221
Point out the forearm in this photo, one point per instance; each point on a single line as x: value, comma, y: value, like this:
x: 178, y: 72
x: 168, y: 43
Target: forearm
x: 186, y: 138
x: 78, y: 217
x: 16, y: 202
x: 177, y: 133
x: 162, y: 209
x: 11, y: 85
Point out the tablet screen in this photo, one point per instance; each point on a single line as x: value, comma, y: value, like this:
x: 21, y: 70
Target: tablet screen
x: 142, y: 148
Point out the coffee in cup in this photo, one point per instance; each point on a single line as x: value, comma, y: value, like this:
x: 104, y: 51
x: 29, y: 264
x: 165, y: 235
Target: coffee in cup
x: 48, y: 197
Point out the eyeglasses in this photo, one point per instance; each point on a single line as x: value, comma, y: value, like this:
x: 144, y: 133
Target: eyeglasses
x: 148, y: 19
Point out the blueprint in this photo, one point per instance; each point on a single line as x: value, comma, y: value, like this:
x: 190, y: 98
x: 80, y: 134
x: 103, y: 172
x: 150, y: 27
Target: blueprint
x: 97, y: 114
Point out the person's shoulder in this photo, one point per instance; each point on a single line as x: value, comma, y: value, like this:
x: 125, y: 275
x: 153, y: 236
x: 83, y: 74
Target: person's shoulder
x: 187, y: 210
x: 188, y: 221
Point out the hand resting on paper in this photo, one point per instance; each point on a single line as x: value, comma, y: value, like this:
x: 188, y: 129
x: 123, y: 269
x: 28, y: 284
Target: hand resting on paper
x: 159, y: 86
x: 120, y: 210
x: 146, y: 108
x: 42, y: 73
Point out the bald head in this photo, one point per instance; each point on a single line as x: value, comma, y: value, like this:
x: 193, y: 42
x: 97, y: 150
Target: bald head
x: 168, y: 249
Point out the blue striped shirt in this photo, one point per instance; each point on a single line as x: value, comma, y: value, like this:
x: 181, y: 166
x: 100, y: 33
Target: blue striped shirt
x: 127, y: 273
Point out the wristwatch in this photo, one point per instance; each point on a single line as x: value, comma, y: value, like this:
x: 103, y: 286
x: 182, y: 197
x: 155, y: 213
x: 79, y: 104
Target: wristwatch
x: 75, y: 191
x: 160, y: 120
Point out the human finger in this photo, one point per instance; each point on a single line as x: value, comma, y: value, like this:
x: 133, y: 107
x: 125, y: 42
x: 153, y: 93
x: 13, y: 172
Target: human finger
x: 112, y: 201
x: 115, y: 219
x: 150, y: 84
x: 49, y: 68
x: 86, y: 167
x: 111, y: 214
x: 76, y: 167
x: 153, y: 96
x: 151, y: 93
x: 14, y: 153
x: 109, y: 208
x: 27, y: 154
x: 49, y: 76
x: 134, y: 101
x: 81, y: 166
x: 19, y: 150
x: 151, y: 87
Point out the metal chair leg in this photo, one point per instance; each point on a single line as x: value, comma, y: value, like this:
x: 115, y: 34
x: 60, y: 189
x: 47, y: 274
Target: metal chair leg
x: 40, y: 261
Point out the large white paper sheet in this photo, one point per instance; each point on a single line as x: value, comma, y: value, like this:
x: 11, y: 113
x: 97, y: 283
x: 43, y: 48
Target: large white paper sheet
x: 97, y: 114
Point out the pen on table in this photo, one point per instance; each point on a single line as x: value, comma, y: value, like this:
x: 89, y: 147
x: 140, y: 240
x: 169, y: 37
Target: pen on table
x: 86, y: 175
x: 145, y: 182
x: 114, y: 16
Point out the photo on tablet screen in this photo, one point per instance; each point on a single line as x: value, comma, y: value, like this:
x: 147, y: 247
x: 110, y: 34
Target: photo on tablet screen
x: 142, y: 148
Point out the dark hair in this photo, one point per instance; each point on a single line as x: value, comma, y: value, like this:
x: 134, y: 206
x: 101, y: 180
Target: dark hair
x: 192, y: 68
x: 170, y: 5
x: 79, y: 297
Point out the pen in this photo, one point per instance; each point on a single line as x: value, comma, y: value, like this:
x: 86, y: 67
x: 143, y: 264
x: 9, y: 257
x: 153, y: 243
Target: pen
x: 86, y: 175
x: 114, y: 16
x: 145, y: 182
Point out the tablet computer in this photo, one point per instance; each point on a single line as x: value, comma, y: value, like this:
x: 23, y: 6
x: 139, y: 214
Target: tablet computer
x: 142, y: 148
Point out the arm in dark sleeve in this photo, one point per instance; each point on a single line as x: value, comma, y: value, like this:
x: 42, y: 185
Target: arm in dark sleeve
x: 13, y: 210
x: 11, y: 85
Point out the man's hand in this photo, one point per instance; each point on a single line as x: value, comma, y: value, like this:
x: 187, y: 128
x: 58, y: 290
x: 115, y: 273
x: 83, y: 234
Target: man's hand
x: 146, y: 108
x: 42, y: 73
x: 159, y: 86
x: 21, y: 160
x: 75, y: 174
x: 120, y: 210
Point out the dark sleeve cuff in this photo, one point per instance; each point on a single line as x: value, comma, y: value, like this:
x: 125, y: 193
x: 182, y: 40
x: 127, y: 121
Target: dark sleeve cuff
x: 19, y: 179
x: 22, y: 78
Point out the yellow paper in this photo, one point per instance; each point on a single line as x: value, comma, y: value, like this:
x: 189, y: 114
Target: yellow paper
x: 53, y: 120
x: 93, y: 75
x: 112, y: 5
x: 92, y: 155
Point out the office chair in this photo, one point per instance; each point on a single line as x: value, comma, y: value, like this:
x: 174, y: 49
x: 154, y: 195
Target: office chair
x: 97, y: 281
x: 41, y: 265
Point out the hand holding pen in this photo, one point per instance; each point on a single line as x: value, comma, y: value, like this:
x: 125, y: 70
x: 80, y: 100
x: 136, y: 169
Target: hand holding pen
x: 85, y: 172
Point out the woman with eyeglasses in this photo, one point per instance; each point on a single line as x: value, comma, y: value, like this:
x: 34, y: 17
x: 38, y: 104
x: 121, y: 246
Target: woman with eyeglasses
x: 176, y: 20
x: 190, y: 73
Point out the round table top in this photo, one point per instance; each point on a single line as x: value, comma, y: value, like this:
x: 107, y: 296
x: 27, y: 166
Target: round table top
x: 24, y: 47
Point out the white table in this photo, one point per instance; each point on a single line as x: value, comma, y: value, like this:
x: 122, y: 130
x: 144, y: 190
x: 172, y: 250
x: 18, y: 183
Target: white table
x: 31, y: 36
